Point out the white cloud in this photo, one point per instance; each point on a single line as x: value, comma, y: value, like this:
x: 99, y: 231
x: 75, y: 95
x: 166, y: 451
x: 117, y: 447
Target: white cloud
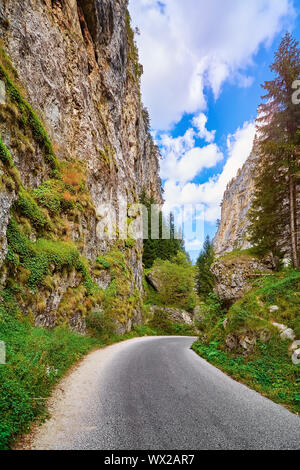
x: 188, y: 45
x: 183, y: 160
x: 190, y: 164
x: 179, y: 191
x: 200, y: 122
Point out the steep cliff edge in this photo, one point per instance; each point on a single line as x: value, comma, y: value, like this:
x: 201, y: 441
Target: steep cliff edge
x: 74, y: 136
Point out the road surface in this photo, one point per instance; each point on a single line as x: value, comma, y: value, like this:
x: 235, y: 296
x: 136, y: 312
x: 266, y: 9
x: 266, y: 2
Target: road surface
x: 155, y: 393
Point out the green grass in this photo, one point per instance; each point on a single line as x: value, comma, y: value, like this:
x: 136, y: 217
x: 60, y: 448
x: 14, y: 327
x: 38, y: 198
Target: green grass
x: 37, y: 257
x: 28, y: 207
x: 5, y: 156
x: 36, y: 360
x: 269, y: 371
x: 250, y: 252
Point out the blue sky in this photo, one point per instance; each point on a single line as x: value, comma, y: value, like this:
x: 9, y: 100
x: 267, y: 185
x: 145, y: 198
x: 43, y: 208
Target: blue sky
x: 203, y: 66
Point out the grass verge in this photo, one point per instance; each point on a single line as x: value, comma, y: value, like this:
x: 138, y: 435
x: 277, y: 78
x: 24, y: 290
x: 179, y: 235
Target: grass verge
x: 36, y: 359
x: 269, y: 371
x: 268, y: 368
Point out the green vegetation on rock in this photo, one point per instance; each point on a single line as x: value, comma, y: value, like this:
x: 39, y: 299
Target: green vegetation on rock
x: 28, y: 117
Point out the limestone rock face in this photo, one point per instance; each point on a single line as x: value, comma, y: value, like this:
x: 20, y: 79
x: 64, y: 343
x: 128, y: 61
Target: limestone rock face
x: 233, y: 275
x: 78, y: 68
x: 232, y: 231
x: 6, y: 200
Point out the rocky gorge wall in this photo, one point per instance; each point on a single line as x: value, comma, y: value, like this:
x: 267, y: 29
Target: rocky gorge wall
x: 74, y: 136
x: 232, y: 231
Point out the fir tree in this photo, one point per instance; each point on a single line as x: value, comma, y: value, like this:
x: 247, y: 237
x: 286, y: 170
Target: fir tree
x: 204, y: 278
x: 278, y: 145
x: 162, y: 247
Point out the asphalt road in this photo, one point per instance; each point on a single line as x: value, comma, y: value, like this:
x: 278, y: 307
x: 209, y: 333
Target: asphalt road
x: 155, y: 393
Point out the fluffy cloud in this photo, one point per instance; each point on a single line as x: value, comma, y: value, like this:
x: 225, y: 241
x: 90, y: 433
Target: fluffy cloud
x: 183, y: 160
x: 188, y: 45
x: 200, y: 122
x: 210, y: 194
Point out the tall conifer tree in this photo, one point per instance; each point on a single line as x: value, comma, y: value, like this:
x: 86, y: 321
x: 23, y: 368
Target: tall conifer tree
x: 204, y: 278
x: 278, y: 140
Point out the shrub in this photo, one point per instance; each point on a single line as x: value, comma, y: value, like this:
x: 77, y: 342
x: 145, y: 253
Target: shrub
x: 101, y: 323
x: 37, y: 257
x: 176, y: 283
x: 162, y: 324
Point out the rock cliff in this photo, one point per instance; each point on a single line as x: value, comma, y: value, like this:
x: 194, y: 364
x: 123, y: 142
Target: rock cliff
x: 232, y: 230
x: 233, y: 227
x: 74, y: 136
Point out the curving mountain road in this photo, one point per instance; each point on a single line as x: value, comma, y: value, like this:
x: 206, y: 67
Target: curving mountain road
x: 155, y: 393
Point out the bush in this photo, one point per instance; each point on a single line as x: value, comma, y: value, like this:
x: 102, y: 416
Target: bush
x: 176, y: 283
x: 49, y: 195
x: 162, y: 324
x: 37, y: 257
x: 101, y: 323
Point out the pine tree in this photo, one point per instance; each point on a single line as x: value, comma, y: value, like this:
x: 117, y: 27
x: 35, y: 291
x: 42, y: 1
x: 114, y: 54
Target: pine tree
x: 161, y: 248
x: 204, y: 278
x: 278, y: 143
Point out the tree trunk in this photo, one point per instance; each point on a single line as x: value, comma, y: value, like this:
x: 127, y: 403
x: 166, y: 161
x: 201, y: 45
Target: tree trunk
x: 293, y: 221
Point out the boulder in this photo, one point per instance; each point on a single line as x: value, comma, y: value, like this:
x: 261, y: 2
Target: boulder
x: 264, y: 336
x: 199, y: 313
x: 154, y: 281
x: 233, y: 275
x: 280, y: 326
x: 295, y: 345
x: 232, y: 341
x: 296, y: 357
x: 285, y: 332
x: 174, y: 314
x: 288, y: 334
x: 248, y: 342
